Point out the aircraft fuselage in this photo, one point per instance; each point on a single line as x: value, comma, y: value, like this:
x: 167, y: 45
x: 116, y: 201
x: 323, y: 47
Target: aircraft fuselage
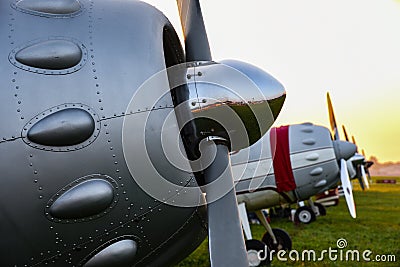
x: 69, y: 71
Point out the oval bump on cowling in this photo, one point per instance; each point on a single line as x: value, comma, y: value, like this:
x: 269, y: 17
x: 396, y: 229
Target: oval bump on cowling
x: 121, y: 254
x: 53, y: 7
x: 316, y: 171
x: 307, y: 130
x: 320, y: 183
x: 50, y: 54
x: 83, y: 200
x: 312, y: 157
x: 66, y: 127
x: 309, y: 141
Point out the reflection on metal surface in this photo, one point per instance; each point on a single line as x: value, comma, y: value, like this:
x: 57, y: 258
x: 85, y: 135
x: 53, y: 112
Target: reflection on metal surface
x: 121, y: 254
x: 63, y: 128
x: 67, y: 127
x: 51, y: 54
x: 234, y: 100
x: 83, y: 200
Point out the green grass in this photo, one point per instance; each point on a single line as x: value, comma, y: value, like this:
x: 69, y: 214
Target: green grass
x: 376, y: 228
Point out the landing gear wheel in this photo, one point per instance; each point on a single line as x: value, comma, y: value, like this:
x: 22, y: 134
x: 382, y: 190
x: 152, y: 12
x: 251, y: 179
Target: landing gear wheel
x: 304, y: 215
x: 253, y: 246
x: 321, y: 209
x: 282, y: 237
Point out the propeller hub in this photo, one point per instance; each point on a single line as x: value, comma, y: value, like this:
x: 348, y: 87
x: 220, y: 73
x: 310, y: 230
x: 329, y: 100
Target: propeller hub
x: 233, y: 100
x: 343, y: 149
x: 357, y: 159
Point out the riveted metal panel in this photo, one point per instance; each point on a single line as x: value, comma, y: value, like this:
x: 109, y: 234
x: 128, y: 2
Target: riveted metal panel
x: 120, y: 253
x: 308, y: 177
x: 117, y: 46
x: 304, y: 137
x: 50, y: 56
x: 87, y: 198
x: 47, y: 132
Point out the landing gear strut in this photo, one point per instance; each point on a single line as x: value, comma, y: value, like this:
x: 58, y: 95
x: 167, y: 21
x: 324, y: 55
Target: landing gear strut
x: 284, y: 242
x: 321, y: 209
x: 318, y: 208
x: 273, y: 239
x: 276, y: 239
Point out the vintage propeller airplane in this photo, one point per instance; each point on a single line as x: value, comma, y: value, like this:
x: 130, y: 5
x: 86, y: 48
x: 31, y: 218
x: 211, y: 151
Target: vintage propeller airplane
x: 359, y: 166
x: 298, y: 162
x: 107, y: 130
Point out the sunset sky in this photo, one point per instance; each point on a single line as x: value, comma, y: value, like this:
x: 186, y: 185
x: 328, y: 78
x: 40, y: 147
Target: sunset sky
x: 349, y: 48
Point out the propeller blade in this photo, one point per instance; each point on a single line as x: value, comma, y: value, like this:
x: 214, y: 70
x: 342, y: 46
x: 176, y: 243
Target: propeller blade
x: 369, y: 175
x: 332, y: 119
x: 197, y: 47
x: 364, y: 177
x: 345, y: 133
x: 360, y: 181
x: 354, y: 142
x: 347, y: 188
x: 353, y: 139
x: 226, y: 241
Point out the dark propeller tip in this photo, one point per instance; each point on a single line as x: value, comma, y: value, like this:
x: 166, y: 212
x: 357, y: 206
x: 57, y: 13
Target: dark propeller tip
x: 332, y: 118
x: 345, y: 133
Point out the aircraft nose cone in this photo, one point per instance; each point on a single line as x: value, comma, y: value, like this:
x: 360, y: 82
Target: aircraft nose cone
x: 344, y: 150
x: 270, y: 87
x: 234, y: 100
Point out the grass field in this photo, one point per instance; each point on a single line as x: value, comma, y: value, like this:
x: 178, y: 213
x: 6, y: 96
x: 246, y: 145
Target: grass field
x: 377, y: 228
